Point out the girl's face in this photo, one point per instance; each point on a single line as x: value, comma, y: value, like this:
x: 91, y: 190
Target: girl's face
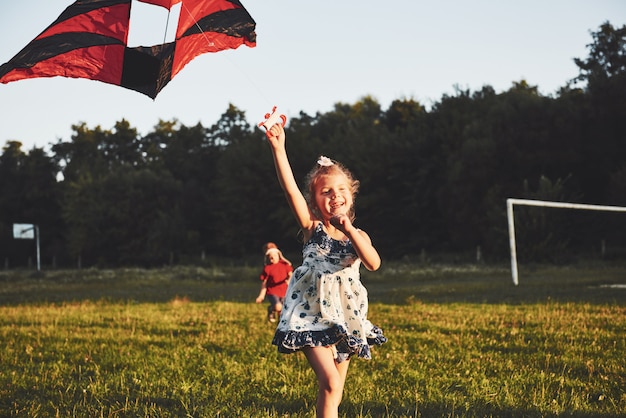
x: 273, y: 257
x: 333, y: 195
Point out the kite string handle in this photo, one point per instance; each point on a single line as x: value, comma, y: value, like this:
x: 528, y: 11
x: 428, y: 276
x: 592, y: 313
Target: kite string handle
x: 272, y: 119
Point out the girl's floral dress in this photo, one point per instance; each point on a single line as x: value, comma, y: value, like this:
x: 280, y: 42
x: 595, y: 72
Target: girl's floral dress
x: 326, y: 303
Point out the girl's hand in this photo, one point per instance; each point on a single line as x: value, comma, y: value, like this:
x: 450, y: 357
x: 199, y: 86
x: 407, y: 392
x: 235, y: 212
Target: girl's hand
x: 276, y: 136
x: 342, y: 222
x: 360, y: 240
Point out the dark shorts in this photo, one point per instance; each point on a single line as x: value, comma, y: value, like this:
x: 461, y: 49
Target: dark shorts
x: 273, y: 300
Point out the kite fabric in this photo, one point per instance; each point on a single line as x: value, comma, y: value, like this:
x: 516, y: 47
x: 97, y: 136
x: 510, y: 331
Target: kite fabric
x: 90, y: 40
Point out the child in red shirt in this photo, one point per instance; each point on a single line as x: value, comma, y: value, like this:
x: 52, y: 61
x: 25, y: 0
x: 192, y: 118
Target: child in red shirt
x: 275, y: 278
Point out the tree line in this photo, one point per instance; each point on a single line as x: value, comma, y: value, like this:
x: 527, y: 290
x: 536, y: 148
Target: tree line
x: 433, y: 181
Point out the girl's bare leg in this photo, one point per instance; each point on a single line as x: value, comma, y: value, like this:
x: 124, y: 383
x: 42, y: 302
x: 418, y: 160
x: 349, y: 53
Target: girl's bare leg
x: 331, y: 377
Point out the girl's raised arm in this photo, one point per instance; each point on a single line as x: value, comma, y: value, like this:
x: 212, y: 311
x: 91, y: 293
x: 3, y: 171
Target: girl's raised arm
x: 299, y: 207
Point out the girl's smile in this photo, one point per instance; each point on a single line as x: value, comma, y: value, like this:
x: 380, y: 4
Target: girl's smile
x: 333, y: 195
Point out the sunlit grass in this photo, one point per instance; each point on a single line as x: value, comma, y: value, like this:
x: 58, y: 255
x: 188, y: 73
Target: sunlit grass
x: 463, y: 342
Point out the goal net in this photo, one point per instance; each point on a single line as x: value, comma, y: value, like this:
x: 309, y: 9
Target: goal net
x: 546, y: 204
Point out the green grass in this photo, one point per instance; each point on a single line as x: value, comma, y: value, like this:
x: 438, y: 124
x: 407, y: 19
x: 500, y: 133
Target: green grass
x: 190, y: 342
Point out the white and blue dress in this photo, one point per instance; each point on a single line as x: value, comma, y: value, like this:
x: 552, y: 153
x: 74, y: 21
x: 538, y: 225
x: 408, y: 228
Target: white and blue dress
x: 326, y: 303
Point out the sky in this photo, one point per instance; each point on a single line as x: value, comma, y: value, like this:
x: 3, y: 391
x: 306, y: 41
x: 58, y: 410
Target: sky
x: 309, y: 57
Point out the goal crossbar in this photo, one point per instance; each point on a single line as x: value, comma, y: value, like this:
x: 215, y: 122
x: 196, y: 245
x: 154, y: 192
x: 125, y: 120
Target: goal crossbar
x: 543, y: 203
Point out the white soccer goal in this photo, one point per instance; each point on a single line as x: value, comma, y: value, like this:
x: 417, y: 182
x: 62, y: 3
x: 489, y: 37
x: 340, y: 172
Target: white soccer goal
x: 543, y: 203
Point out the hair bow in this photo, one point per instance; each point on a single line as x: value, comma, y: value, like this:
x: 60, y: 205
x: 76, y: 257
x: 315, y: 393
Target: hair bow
x: 325, y: 161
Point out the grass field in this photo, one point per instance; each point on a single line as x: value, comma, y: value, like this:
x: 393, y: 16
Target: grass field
x: 190, y: 342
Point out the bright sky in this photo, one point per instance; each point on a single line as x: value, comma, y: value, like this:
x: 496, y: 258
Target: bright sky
x: 311, y: 55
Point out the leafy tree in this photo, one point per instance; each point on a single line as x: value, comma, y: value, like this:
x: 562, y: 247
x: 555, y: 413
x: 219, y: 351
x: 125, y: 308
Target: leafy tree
x: 81, y: 156
x: 198, y: 195
x: 128, y: 217
x: 403, y: 113
x: 82, y: 214
x: 154, y: 145
x: 607, y: 56
x: 545, y: 233
x: 141, y: 223
x: 617, y: 187
x: 245, y: 196
x: 121, y: 146
x: 605, y: 113
x: 11, y: 187
x: 29, y: 193
x: 232, y: 127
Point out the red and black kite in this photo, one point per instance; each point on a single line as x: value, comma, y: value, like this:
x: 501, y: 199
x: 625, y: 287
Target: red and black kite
x: 89, y: 40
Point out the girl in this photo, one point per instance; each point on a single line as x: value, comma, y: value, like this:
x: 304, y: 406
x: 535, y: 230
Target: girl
x: 325, y: 309
x: 275, y: 278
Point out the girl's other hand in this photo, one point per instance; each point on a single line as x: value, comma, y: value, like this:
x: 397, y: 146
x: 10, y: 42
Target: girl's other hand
x: 341, y: 222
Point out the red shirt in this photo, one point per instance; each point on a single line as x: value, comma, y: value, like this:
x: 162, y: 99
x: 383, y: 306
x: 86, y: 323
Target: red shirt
x: 276, y: 276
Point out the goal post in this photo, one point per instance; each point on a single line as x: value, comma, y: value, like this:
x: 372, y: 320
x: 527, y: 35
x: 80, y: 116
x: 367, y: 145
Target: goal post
x: 543, y: 203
